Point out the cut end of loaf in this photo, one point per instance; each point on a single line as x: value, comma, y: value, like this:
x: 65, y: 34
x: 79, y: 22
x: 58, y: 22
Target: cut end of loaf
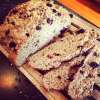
x: 49, y: 28
x: 29, y: 27
x: 41, y: 38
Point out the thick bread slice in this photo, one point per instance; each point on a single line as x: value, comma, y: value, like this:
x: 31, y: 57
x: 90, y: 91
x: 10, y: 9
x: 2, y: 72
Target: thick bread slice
x: 82, y: 85
x: 87, y: 79
x: 57, y: 79
x: 30, y: 26
x: 61, y: 77
x: 94, y: 61
x: 64, y: 48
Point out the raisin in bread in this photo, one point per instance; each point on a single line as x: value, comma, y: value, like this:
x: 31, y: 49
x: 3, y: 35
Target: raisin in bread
x: 30, y: 26
x: 66, y: 46
x: 87, y: 78
x: 60, y: 78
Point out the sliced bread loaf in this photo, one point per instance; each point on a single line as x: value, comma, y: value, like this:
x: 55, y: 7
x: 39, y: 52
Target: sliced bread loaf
x: 68, y: 45
x: 87, y: 78
x: 93, y: 60
x: 30, y: 26
x: 61, y: 77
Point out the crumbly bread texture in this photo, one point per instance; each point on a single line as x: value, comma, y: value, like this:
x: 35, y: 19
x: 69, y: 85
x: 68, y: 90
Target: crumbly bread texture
x: 93, y: 59
x: 66, y: 46
x: 60, y: 78
x: 30, y: 26
x: 57, y: 79
x: 82, y: 85
x: 87, y: 79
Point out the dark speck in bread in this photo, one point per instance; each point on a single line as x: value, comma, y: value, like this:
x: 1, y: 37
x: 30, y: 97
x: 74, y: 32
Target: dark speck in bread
x: 90, y: 76
x: 85, y: 53
x: 27, y: 34
x: 80, y: 46
x: 81, y: 72
x: 12, y: 44
x: 71, y: 15
x: 59, y: 14
x: 54, y: 11
x: 92, y: 30
x: 99, y: 75
x: 38, y: 27
x: 94, y: 64
x: 13, y: 23
x: 49, y: 5
x: 56, y: 54
x: 96, y: 87
x: 7, y: 32
x: 71, y: 32
x: 37, y: 41
x: 62, y: 32
x: 71, y: 77
x: 23, y: 15
x: 61, y: 35
x: 59, y: 77
x: 49, y: 21
x: 36, y: 45
x: 95, y: 54
x: 49, y: 56
x: 80, y: 31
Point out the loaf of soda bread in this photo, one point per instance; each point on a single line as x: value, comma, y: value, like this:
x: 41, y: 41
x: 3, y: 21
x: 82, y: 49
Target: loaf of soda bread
x: 30, y: 26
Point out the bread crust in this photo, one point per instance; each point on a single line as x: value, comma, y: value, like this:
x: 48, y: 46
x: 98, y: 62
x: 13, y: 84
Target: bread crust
x: 22, y: 22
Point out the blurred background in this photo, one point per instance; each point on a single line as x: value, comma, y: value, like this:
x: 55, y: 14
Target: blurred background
x: 93, y: 4
x: 14, y: 85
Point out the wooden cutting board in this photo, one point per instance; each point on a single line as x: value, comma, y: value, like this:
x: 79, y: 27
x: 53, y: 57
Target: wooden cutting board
x: 88, y: 9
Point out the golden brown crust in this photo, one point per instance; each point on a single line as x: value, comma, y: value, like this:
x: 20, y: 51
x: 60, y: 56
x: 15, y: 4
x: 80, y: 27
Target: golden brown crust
x: 23, y: 26
x: 20, y: 21
x: 18, y: 26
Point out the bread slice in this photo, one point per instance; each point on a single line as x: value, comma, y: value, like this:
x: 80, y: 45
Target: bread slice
x: 57, y: 79
x: 94, y: 61
x: 61, y: 77
x: 63, y: 48
x: 82, y: 85
x: 30, y: 26
x: 87, y: 78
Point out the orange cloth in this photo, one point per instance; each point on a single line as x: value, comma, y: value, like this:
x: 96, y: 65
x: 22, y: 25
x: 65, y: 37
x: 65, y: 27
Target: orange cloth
x: 86, y: 9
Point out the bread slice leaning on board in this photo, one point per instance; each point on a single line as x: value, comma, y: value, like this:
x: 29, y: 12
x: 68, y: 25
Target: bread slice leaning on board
x: 30, y: 26
x: 87, y: 79
x: 65, y: 47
